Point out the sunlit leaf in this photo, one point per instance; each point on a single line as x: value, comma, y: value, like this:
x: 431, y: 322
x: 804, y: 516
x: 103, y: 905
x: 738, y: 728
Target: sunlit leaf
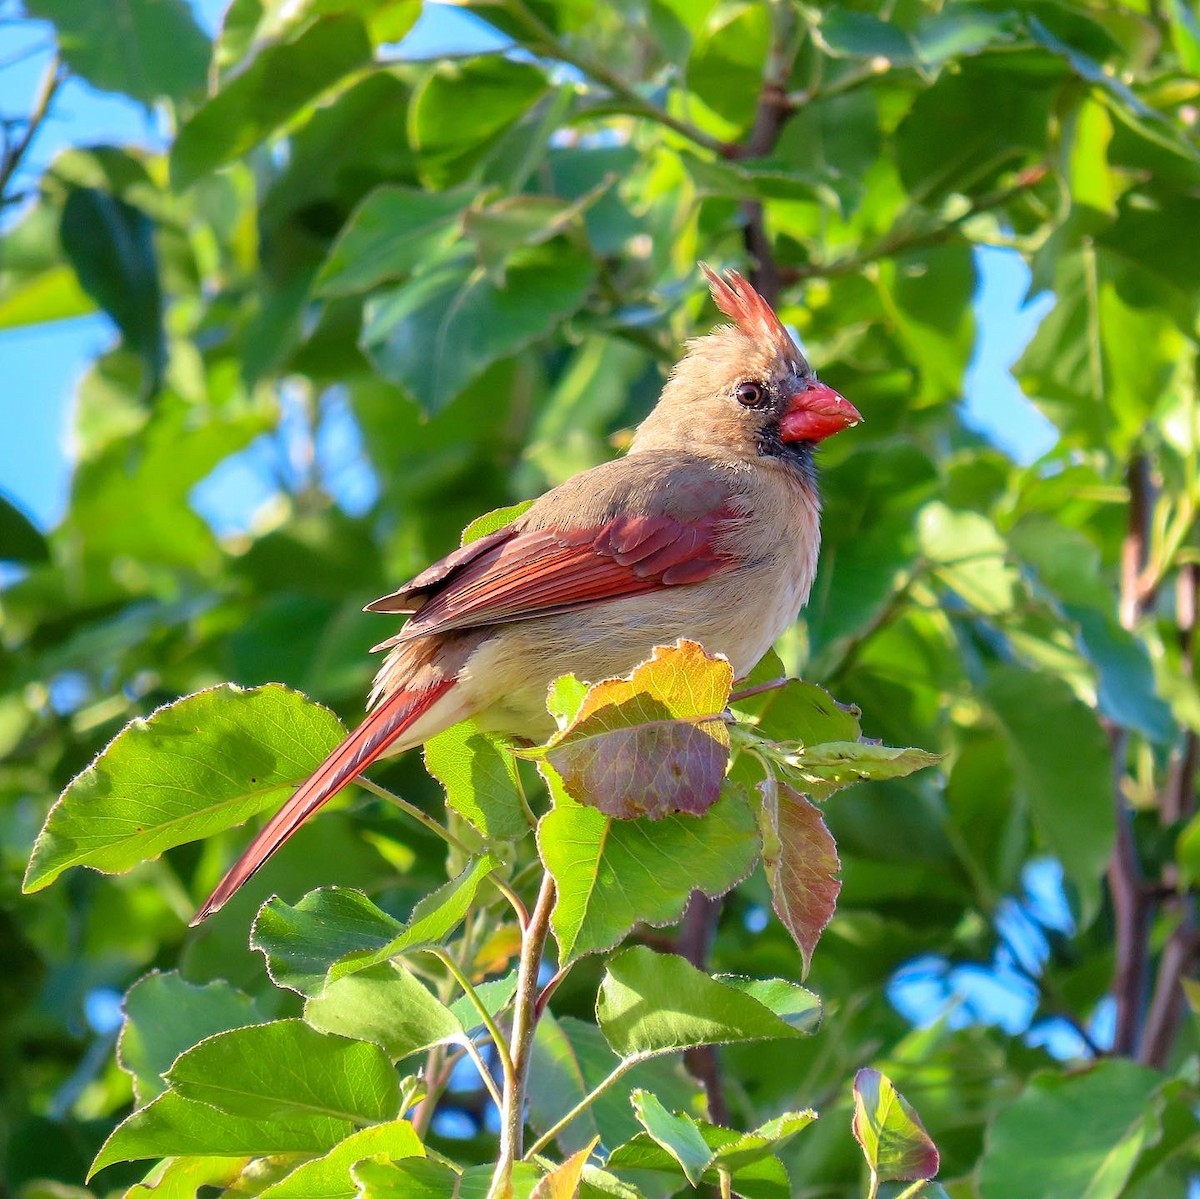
x: 480, y: 780
x: 650, y: 745
x: 652, y: 1003
x: 890, y: 1133
x: 195, y: 767
x: 801, y: 861
x: 563, y: 1181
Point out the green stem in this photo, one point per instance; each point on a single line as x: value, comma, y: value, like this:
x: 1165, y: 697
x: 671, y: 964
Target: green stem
x: 524, y: 1024
x: 486, y: 1016
x: 615, y: 1076
x: 439, y: 830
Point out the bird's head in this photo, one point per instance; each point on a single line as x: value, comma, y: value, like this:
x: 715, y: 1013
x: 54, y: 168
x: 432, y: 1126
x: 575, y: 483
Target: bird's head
x: 745, y: 388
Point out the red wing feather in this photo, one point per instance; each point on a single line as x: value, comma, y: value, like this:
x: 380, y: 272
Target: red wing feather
x: 542, y: 571
x: 349, y: 759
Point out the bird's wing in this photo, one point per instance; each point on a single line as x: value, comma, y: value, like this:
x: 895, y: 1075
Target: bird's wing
x: 538, y: 572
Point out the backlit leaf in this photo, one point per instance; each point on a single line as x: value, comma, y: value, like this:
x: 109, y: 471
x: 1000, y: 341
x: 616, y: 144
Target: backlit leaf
x: 652, y: 744
x: 893, y: 1141
x: 202, y: 764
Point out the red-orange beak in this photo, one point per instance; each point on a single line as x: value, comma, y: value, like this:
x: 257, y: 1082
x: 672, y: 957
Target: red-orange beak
x: 815, y: 413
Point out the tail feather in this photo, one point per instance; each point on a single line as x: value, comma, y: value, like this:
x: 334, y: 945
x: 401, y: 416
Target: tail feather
x: 362, y: 747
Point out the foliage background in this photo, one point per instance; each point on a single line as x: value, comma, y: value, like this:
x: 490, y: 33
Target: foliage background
x: 484, y: 265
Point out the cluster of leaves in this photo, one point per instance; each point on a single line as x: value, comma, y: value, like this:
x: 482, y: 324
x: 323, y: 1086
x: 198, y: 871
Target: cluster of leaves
x: 480, y: 263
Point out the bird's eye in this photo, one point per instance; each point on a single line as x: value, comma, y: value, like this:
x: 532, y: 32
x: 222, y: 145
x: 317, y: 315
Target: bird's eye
x: 751, y: 394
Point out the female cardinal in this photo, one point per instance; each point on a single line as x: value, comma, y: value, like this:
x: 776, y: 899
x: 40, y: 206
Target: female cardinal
x: 708, y: 529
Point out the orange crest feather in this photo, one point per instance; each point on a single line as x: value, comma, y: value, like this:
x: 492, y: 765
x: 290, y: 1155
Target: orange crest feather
x: 738, y: 300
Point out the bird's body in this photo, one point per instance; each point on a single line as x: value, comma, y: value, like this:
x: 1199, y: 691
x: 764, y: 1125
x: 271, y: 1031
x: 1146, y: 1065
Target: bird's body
x: 708, y: 530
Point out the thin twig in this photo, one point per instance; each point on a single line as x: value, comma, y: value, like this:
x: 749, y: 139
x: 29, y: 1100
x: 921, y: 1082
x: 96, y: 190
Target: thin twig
x: 423, y: 818
x: 547, y: 43
x: 489, y: 1023
x: 614, y: 1076
x: 51, y: 81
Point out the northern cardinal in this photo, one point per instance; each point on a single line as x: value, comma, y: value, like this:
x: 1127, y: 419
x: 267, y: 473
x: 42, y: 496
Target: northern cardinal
x: 707, y: 529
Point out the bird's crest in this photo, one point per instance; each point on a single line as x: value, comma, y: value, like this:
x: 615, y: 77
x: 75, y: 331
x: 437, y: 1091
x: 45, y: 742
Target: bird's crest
x: 738, y: 300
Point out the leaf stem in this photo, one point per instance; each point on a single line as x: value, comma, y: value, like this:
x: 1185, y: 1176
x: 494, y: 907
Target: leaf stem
x: 497, y: 1036
x: 484, y: 1073
x: 614, y: 1076
x: 524, y: 1024
x: 439, y: 830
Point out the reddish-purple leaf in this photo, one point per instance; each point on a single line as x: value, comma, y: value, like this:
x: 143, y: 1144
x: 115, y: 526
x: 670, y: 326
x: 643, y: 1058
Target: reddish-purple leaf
x: 652, y: 744
x: 893, y: 1140
x: 801, y: 860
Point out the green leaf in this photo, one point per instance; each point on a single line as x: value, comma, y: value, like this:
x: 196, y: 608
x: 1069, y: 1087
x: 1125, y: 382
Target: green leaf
x: 286, y: 1069
x: 862, y: 35
x: 1072, y: 1134
x: 392, y: 232
x: 111, y: 246
x: 480, y: 779
x: 820, y: 770
x: 798, y: 711
x: 1062, y: 763
x: 193, y: 768
x: 387, y: 1005
x: 413, y: 1179
x: 678, y: 1134
x: 968, y: 556
x: 642, y: 1160
x: 652, y: 744
x: 146, y: 49
x: 571, y: 1058
x: 612, y: 874
x: 335, y: 931
x: 491, y: 522
x: 274, y: 88
x: 444, y: 328
x: 652, y: 1003
x: 172, y: 1126
x: 20, y: 540
x: 164, y: 1015
x: 460, y: 109
x: 893, y: 1140
x: 329, y: 1177
x: 726, y: 64
x: 801, y: 861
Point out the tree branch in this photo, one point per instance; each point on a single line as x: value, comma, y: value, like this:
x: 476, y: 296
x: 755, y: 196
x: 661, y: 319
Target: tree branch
x: 10, y: 159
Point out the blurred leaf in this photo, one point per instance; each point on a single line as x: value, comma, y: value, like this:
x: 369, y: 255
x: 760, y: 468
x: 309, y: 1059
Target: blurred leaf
x: 968, y: 555
x: 863, y: 35
x: 1072, y: 1135
x: 445, y: 327
x: 277, y: 84
x: 725, y: 67
x: 1061, y: 759
x: 491, y: 522
x: 111, y: 246
x: 480, y: 779
x: 20, y: 540
x: 612, y: 874
x: 651, y: 745
x: 800, y: 857
x: 651, y: 1003
x: 146, y: 49
x: 889, y: 1131
x: 336, y: 931
x: 202, y: 764
x: 164, y: 1015
x: 461, y: 108
x: 394, y: 230
x: 413, y: 1179
x: 328, y: 1177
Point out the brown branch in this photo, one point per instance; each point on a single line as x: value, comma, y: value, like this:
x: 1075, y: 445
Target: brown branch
x: 1132, y: 907
x: 695, y: 940
x: 10, y: 160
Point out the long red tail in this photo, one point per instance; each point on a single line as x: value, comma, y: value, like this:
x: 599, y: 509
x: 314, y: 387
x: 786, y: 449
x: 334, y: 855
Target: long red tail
x: 368, y: 742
